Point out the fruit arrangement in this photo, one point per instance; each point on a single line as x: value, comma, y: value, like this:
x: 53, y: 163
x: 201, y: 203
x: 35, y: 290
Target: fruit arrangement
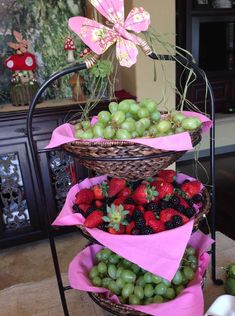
x: 143, y: 207
x: 129, y: 119
x: 135, y: 286
x: 230, y: 279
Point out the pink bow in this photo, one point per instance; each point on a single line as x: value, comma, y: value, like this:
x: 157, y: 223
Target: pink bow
x: 99, y: 37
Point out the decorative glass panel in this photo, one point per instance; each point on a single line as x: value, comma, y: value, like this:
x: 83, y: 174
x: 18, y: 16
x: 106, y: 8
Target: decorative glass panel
x: 63, y: 175
x: 12, y: 198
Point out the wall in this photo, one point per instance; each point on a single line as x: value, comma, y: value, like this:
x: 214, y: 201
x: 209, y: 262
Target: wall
x: 138, y: 80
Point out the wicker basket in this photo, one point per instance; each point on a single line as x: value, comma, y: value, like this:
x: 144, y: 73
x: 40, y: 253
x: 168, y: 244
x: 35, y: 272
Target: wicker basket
x: 124, y: 159
x: 204, y: 210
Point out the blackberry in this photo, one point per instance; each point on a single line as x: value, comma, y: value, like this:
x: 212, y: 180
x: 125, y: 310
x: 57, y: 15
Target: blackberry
x: 169, y: 225
x: 134, y: 185
x: 109, y: 200
x: 190, y: 202
x: 153, y: 207
x: 103, y: 226
x: 76, y: 209
x: 177, y: 220
x: 163, y: 204
x: 129, y: 218
x: 135, y: 231
x: 129, y: 200
x: 89, y: 211
x: 140, y: 223
x: 181, y: 209
x: 147, y: 231
x: 190, y: 212
x: 175, y: 200
x: 137, y: 213
x: 197, y: 198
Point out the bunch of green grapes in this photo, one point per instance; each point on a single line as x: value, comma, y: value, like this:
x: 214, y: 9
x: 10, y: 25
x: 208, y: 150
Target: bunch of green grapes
x: 135, y: 286
x: 129, y: 119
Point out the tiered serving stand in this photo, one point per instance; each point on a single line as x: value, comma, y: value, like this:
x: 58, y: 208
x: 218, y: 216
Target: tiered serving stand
x: 150, y: 158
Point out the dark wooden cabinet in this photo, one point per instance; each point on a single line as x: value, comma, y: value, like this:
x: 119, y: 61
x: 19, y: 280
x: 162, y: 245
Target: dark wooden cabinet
x: 209, y: 34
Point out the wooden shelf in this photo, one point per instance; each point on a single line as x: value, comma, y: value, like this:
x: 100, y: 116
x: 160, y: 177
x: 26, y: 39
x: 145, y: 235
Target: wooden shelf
x: 213, y: 12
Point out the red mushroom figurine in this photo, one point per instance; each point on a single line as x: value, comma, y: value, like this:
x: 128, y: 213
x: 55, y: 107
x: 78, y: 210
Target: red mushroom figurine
x: 69, y: 46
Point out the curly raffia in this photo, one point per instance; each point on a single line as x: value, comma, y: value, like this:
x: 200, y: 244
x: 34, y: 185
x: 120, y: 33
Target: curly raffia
x: 91, y: 60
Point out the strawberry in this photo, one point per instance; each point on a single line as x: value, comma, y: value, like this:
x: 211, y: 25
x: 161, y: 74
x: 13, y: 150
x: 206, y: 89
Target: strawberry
x: 119, y: 201
x: 120, y: 231
x: 116, y: 185
x: 167, y: 175
x: 84, y: 196
x: 182, y: 201
x: 124, y: 193
x: 129, y: 207
x: 98, y: 203
x: 84, y: 207
x: 191, y: 188
x: 100, y: 191
x: 141, y: 208
x: 166, y: 215
x: 156, y: 225
x: 116, y: 216
x: 149, y: 215
x: 129, y: 227
x: 144, y: 193
x: 165, y: 190
x: 94, y: 219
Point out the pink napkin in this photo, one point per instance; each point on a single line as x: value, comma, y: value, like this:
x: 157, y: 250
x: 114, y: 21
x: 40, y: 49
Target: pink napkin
x: 189, y: 302
x: 178, y: 142
x: 167, y: 248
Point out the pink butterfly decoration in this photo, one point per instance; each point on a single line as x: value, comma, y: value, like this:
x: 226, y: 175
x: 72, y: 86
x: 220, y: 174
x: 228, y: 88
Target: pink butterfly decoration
x: 99, y: 37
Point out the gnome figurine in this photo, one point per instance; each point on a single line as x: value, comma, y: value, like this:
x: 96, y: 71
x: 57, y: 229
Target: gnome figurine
x: 22, y: 63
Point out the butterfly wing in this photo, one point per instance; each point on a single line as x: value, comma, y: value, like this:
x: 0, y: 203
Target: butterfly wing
x: 95, y: 35
x: 113, y: 10
x: 138, y: 20
x: 126, y: 52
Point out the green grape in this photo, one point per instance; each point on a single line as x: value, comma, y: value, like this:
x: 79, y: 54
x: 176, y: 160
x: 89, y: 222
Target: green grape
x: 99, y: 255
x: 148, y: 290
x: 179, y: 289
x: 178, y: 117
x: 112, y: 271
x: 148, y: 301
x: 146, y: 122
x: 114, y: 288
x: 158, y: 299
x: 190, y: 251
x: 98, y: 131
x: 150, y: 104
x: 102, y: 267
x: 184, y: 279
x: 114, y: 258
x: 134, y: 134
x: 139, y: 292
x: 140, y: 281
x: 96, y: 281
x: 156, y: 279
x: 155, y: 116
x: 105, y: 253
x: 148, y: 277
x: 192, y: 259
x: 105, y: 282
x: 93, y: 272
x: 86, y: 124
x: 124, y: 106
x: 179, y: 130
x: 170, y: 293
x: 119, y: 271
x: 189, y: 273
x: 118, y: 117
x: 164, y: 126
x: 140, y: 128
x: 135, y: 268
x: 153, y: 130
x: 177, y: 278
x: 129, y: 126
x: 194, y: 266
x: 104, y: 116
x: 79, y: 133
x: 123, y: 134
x: 160, y: 289
x: 134, y: 300
x: 113, y: 107
x: 88, y: 134
x: 166, y: 282
x: 127, y: 290
x: 134, y: 109
x: 120, y: 283
x: 109, y: 132
x: 128, y: 276
x: 126, y: 263
x: 143, y: 112
x: 78, y: 126
x: 191, y: 123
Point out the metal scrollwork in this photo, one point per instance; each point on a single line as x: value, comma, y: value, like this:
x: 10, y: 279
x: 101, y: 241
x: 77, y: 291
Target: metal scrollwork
x: 12, y: 200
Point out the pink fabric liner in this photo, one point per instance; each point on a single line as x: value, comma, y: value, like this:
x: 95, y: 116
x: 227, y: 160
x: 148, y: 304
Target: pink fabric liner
x: 167, y: 248
x: 178, y: 142
x: 189, y: 302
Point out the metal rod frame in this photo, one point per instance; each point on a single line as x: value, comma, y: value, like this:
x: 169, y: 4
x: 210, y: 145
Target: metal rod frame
x: 35, y: 152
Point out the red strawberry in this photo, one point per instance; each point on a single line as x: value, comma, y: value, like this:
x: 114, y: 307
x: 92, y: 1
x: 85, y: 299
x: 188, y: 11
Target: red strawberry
x: 148, y: 216
x: 100, y: 191
x: 129, y: 207
x: 141, y: 208
x: 84, y: 196
x: 156, y: 225
x: 167, y: 175
x: 84, y: 207
x: 94, y: 219
x: 144, y: 193
x: 98, y: 203
x: 191, y: 188
x: 121, y: 230
x: 164, y: 189
x: 166, y: 215
x: 182, y: 201
x: 125, y: 192
x: 129, y: 227
x: 116, y: 185
x: 119, y: 201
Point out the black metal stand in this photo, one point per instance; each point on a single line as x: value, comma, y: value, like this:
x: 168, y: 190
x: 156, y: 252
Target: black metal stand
x: 34, y: 154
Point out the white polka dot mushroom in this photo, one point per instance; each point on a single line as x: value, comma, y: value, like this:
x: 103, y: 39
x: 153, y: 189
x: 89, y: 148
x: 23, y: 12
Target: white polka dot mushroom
x: 69, y: 46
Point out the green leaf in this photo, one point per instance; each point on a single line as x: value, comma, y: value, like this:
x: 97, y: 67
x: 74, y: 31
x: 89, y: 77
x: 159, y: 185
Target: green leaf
x: 106, y: 218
